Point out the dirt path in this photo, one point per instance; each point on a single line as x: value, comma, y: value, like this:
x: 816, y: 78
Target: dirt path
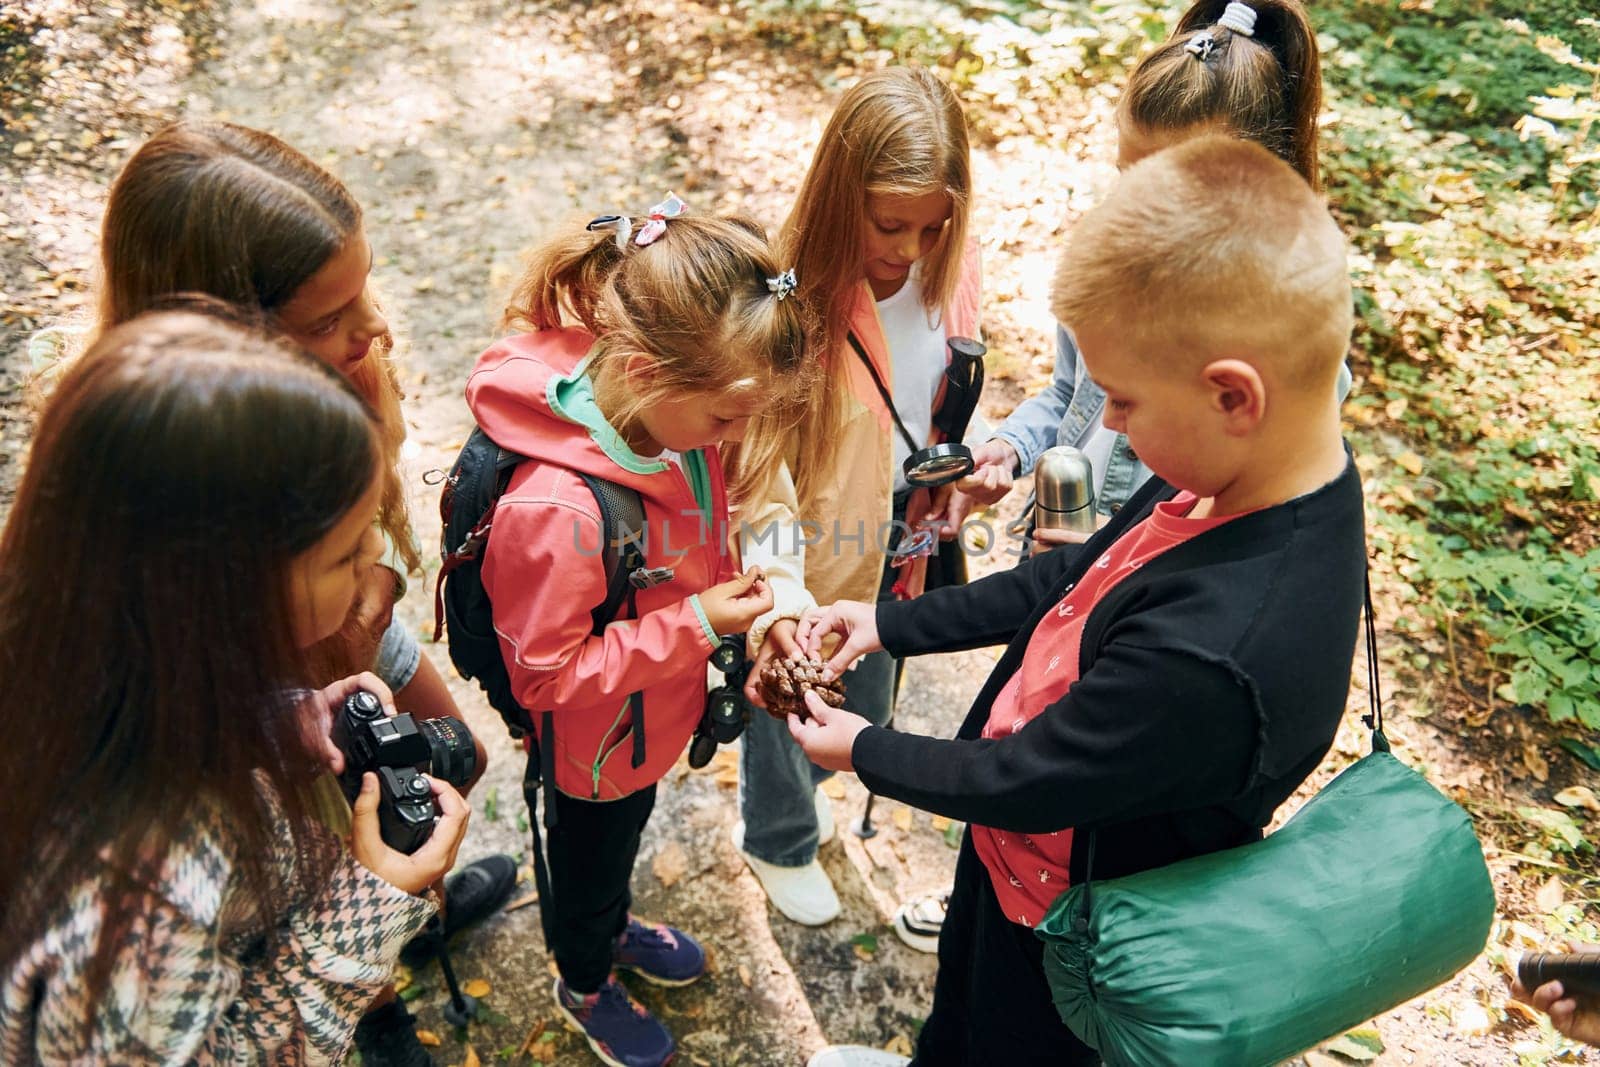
x: 469, y: 127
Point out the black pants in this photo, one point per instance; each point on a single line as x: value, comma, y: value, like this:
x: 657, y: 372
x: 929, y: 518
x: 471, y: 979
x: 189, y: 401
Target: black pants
x: 591, y: 853
x: 991, y: 1004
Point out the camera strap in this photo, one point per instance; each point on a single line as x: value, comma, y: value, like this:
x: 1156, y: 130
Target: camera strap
x: 883, y: 391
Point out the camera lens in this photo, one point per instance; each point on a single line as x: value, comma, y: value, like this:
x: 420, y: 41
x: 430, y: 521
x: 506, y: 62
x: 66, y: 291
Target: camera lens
x: 453, y: 756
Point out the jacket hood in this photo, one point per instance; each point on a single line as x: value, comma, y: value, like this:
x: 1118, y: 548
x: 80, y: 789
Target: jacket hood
x: 531, y: 395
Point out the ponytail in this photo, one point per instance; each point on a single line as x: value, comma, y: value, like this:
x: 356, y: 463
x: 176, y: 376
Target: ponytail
x: 563, y: 281
x: 1259, y: 76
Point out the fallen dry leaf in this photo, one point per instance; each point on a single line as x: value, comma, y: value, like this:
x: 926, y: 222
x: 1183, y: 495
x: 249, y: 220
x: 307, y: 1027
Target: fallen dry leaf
x: 523, y: 902
x: 402, y: 978
x: 1471, y: 1020
x: 1535, y: 762
x: 744, y: 976
x: 1578, y: 796
x: 900, y: 1045
x: 472, y: 1058
x: 533, y: 1036
x: 940, y: 824
x: 1551, y: 894
x: 670, y: 864
x: 476, y: 988
x: 428, y: 1038
x: 902, y: 818
x: 1410, y: 461
x: 833, y: 789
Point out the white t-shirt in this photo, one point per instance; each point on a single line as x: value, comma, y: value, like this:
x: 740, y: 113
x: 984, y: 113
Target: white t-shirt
x: 917, y: 355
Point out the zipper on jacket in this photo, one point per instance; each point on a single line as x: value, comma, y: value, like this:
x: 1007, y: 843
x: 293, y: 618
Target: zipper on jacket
x: 606, y: 753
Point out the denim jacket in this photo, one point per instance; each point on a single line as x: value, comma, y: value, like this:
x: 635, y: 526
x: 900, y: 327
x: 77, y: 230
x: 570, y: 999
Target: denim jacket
x: 1068, y: 413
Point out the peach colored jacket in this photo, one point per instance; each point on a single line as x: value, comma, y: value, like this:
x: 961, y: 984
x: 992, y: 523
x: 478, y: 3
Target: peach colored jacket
x: 837, y: 552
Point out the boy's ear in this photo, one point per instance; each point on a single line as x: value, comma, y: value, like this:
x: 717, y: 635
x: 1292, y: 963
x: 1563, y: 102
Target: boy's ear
x: 1238, y: 394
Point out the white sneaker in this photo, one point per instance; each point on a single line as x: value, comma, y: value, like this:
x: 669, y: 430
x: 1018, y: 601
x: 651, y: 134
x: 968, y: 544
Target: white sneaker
x: 918, y: 922
x: 802, y: 894
x: 825, y: 830
x: 855, y: 1056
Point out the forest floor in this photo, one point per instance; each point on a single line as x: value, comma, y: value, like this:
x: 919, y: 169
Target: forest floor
x: 468, y: 128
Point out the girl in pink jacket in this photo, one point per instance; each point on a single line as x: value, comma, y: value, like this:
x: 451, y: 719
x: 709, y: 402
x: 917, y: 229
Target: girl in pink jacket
x: 649, y: 341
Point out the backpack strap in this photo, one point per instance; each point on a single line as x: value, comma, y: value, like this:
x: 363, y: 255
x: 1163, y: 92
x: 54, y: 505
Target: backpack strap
x: 623, y: 533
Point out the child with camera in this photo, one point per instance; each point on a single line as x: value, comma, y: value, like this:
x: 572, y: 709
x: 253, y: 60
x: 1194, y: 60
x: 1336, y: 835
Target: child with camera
x: 649, y: 340
x: 1166, y: 688
x: 172, y: 897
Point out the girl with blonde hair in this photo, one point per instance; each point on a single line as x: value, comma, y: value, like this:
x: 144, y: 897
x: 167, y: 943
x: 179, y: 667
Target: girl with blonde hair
x: 878, y: 236
x: 647, y: 342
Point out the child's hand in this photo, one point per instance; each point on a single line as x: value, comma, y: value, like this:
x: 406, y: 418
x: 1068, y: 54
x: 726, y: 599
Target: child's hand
x: 829, y: 735
x: 856, y: 622
x: 779, y: 643
x: 324, y: 704
x: 426, y: 865
x: 733, y: 606
x: 1048, y: 539
x: 989, y: 482
x: 1577, y: 1018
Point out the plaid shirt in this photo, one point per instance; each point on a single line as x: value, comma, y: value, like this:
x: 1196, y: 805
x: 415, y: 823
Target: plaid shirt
x: 194, y: 980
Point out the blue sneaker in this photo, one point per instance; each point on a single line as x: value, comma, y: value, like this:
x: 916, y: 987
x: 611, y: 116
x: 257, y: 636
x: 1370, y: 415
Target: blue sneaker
x: 618, y: 1028
x: 659, y: 954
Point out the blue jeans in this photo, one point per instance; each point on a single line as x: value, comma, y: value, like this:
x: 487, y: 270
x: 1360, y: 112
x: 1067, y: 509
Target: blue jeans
x: 776, y: 780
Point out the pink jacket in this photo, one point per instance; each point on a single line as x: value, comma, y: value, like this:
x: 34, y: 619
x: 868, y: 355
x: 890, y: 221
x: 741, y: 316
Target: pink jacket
x: 543, y: 571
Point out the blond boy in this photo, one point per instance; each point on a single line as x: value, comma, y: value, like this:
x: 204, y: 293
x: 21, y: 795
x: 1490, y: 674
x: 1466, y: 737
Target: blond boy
x: 1168, y: 687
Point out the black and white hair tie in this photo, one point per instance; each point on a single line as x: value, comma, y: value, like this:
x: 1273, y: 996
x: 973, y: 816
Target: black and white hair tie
x: 1200, y: 45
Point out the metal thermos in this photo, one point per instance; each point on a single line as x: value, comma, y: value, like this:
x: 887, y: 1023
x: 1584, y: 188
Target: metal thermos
x: 1063, y: 489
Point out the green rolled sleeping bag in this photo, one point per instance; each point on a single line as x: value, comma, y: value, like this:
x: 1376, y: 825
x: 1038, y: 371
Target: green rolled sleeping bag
x: 1373, y: 893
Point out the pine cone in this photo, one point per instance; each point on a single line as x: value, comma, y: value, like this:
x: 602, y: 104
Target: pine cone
x: 784, y: 684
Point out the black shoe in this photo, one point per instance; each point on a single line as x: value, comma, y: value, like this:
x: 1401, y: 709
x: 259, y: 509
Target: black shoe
x: 387, y: 1037
x: 470, y: 895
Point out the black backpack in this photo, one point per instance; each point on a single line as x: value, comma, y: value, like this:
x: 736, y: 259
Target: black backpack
x: 474, y: 485
x: 466, y: 509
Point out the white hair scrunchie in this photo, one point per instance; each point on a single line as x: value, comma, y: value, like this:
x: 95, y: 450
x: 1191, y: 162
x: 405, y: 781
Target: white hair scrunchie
x: 1240, y: 18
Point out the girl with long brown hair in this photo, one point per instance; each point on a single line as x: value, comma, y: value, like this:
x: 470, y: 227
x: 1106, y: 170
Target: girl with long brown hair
x: 237, y: 214
x: 196, y: 511
x: 878, y: 237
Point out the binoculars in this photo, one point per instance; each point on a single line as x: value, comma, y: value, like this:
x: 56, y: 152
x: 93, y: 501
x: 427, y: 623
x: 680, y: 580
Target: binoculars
x: 726, y: 712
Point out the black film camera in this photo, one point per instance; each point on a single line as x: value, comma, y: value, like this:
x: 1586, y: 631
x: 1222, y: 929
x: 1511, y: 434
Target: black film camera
x: 400, y: 750
x: 726, y: 710
x: 1579, y: 973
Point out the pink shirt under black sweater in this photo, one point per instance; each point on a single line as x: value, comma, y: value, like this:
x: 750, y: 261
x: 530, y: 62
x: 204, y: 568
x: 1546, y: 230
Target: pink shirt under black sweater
x: 1030, y: 871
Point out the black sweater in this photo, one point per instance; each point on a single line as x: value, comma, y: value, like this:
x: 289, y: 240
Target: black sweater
x: 1211, y: 683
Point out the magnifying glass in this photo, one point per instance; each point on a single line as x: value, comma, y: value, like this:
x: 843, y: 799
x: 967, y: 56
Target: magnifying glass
x: 929, y: 468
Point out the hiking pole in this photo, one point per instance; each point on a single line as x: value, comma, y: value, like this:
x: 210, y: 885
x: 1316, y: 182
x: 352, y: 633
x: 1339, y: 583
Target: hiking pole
x: 863, y: 827
x: 463, y: 1007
